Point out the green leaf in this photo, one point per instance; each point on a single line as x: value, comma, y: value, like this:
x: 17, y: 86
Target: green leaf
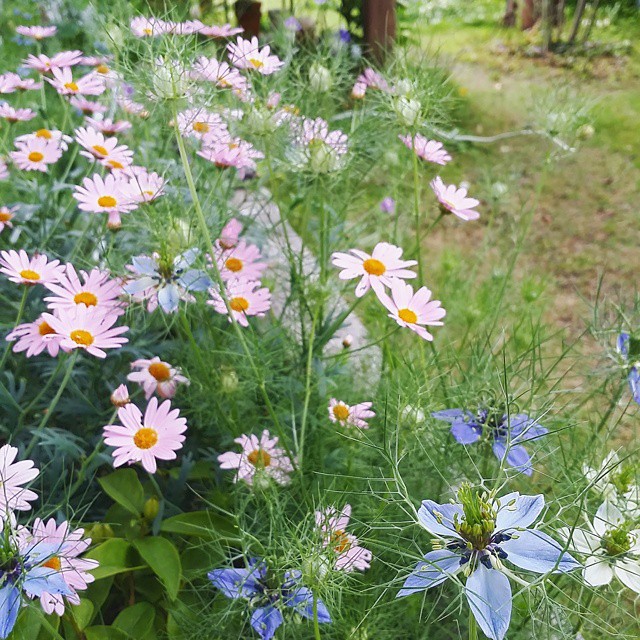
x: 83, y: 613
x: 124, y: 488
x: 114, y: 556
x: 102, y: 632
x: 162, y: 557
x: 28, y: 625
x: 200, y: 523
x: 137, y: 620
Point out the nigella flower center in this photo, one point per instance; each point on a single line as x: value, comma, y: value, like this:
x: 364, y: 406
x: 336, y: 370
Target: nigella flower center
x: 29, y: 274
x: 259, y: 458
x: 44, y: 329
x: 36, y: 156
x: 53, y: 563
x: 341, y: 412
x: 82, y: 337
x: 374, y: 267
x: 340, y: 541
x: 239, y: 304
x: 72, y: 86
x: 43, y: 133
x: 616, y: 542
x: 234, y: 264
x: 107, y: 202
x: 160, y: 371
x: 145, y: 438
x: 408, y: 316
x: 87, y: 298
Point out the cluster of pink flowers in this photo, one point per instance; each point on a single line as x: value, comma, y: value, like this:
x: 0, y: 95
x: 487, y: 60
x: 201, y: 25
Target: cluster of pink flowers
x: 82, y: 311
x: 152, y: 27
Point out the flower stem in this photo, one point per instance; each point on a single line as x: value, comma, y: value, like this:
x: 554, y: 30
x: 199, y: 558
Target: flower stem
x: 316, y: 624
x: 52, y: 404
x: 416, y: 211
x: 17, y: 322
x: 473, y: 627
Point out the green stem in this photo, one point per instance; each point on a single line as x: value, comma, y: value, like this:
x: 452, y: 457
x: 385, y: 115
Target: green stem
x: 416, y: 211
x: 316, y: 622
x: 52, y: 404
x: 473, y: 627
x: 17, y: 322
x: 307, y: 392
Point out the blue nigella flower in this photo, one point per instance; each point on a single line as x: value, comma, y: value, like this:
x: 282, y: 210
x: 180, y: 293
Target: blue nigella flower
x: 266, y: 597
x: 170, y: 282
x: 629, y: 349
x: 475, y: 538
x: 25, y: 571
x: 506, y: 433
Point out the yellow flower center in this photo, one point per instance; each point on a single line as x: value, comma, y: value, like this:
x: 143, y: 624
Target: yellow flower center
x: 86, y: 297
x: 148, y: 31
x: 72, y: 86
x: 201, y: 127
x: 340, y: 541
x: 5, y: 216
x: 259, y: 458
x: 107, y: 202
x: 43, y: 133
x: 408, y: 316
x: 82, y: 337
x: 341, y: 412
x: 100, y: 150
x: 53, y: 563
x: 102, y: 68
x: 239, y: 304
x: 44, y: 329
x: 374, y: 267
x: 233, y: 264
x: 36, y: 156
x: 114, y: 164
x: 255, y: 63
x: 28, y: 274
x: 160, y: 371
x: 145, y: 438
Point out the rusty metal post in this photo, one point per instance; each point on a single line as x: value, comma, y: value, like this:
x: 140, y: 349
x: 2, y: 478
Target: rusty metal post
x: 379, y: 17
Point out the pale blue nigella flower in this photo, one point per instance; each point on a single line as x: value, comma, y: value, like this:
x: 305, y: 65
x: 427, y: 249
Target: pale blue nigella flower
x: 629, y: 349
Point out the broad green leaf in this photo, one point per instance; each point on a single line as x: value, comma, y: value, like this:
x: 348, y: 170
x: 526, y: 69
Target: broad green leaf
x: 200, y: 523
x: 29, y: 624
x: 137, y: 620
x: 162, y: 557
x: 102, y: 632
x: 124, y: 488
x: 114, y: 556
x: 82, y: 613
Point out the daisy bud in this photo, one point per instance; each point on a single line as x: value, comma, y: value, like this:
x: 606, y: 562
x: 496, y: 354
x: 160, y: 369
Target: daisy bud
x: 229, y: 381
x: 100, y: 532
x: 320, y: 78
x: 359, y: 90
x: 347, y: 341
x: 586, y: 131
x: 151, y: 508
x: 120, y: 397
x: 388, y: 205
x: 408, y: 110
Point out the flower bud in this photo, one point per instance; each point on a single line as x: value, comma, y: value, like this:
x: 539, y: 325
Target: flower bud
x: 229, y: 380
x: 169, y: 81
x: 359, y: 90
x: 120, y: 397
x: 100, y: 531
x: 151, y: 508
x: 320, y: 78
x: 347, y: 341
x: 388, y: 205
x: 408, y: 110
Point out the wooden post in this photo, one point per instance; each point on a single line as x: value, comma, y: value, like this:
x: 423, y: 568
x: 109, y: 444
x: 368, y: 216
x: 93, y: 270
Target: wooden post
x: 379, y: 18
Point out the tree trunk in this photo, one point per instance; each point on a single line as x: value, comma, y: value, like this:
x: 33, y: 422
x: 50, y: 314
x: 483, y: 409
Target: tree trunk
x: 379, y: 17
x: 577, y: 19
x: 587, y: 33
x: 510, y: 12
x: 529, y: 17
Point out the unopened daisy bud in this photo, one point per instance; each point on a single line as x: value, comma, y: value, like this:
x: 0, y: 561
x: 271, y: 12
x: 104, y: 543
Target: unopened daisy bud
x: 408, y: 110
x: 120, y: 397
x: 100, y: 531
x: 151, y: 508
x: 347, y: 341
x: 388, y: 205
x: 320, y: 78
x: 359, y: 90
x: 586, y: 131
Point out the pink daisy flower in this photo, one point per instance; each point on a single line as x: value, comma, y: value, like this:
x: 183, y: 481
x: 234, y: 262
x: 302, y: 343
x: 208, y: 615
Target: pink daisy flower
x: 107, y: 126
x: 91, y: 84
x: 13, y: 475
x: 10, y: 82
x: 21, y: 269
x: 413, y: 310
x: 44, y: 64
x: 145, y: 186
x: 229, y: 235
x: 429, y: 150
x: 36, y: 32
x: 246, y: 299
x: 156, y: 376
x: 15, y: 115
x: 69, y: 544
x: 30, y: 337
x: 36, y: 154
x: 454, y: 200
x: 223, y: 75
x: 359, y: 91
x: 120, y: 396
x: 105, y: 150
x: 52, y: 135
x: 87, y: 107
x: 243, y: 261
x: 7, y: 214
x: 4, y: 169
x: 149, y: 27
x: 133, y: 108
x: 236, y: 153
x: 348, y: 553
x: 383, y: 267
x: 353, y: 416
x: 96, y: 289
x: 186, y: 28
x: 222, y: 31
x: 373, y: 80
x: 259, y: 458
x: 157, y: 436
x: 201, y: 123
x: 246, y: 54
x: 111, y: 195
x: 86, y: 328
